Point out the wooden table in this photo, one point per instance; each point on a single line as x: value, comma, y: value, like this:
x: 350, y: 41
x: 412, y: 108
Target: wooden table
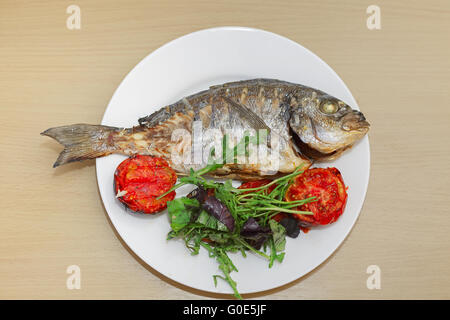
x: 50, y: 75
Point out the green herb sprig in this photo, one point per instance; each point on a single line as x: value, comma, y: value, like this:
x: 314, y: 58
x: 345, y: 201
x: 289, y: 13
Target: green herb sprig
x: 200, y: 229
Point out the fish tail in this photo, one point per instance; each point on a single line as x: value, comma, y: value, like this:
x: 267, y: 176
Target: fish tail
x: 82, y: 141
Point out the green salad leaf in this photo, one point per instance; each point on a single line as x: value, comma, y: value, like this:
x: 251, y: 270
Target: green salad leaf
x: 181, y: 211
x: 252, y: 210
x: 278, y: 234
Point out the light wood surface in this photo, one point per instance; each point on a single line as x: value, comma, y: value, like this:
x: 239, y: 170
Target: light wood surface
x: 49, y: 75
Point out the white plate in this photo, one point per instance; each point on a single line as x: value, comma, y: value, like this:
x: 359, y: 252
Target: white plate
x: 193, y: 63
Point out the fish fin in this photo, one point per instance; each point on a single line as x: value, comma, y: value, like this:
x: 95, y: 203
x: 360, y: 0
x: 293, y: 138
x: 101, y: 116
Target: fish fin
x: 252, y: 118
x: 82, y: 141
x: 148, y: 121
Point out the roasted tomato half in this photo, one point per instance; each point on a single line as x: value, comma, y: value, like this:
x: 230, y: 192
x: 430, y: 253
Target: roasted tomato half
x: 138, y: 181
x: 328, y: 187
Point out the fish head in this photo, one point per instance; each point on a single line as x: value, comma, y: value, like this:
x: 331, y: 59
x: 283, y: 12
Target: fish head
x: 324, y: 126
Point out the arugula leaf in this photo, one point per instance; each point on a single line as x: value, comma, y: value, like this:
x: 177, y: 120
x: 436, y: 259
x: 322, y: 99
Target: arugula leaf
x: 225, y: 265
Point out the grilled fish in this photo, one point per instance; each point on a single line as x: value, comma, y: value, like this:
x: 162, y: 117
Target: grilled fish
x: 303, y: 125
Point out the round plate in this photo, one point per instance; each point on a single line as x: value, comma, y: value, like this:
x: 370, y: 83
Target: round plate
x: 193, y: 63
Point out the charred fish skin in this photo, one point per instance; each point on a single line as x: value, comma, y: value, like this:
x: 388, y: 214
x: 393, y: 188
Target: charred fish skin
x: 239, y: 91
x: 322, y: 125
x: 221, y: 108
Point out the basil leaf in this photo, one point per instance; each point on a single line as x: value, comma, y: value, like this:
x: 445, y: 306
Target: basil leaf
x: 278, y: 234
x: 180, y: 212
x: 209, y: 221
x: 254, y: 234
x: 291, y: 225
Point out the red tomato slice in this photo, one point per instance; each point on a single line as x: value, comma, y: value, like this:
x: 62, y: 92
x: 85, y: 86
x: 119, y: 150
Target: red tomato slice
x: 328, y: 187
x: 138, y: 181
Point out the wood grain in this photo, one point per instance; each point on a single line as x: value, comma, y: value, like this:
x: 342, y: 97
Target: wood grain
x: 49, y: 75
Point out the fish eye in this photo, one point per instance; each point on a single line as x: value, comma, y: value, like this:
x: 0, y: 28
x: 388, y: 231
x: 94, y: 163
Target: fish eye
x: 329, y: 107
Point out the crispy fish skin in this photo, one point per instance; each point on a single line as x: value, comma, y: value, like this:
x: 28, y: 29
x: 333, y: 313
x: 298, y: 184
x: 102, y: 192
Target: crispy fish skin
x: 297, y: 117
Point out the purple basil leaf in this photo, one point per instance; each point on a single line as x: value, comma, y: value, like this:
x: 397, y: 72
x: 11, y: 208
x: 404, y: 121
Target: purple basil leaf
x: 251, y: 226
x: 257, y: 240
x: 254, y: 234
x: 291, y: 226
x: 214, y: 207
